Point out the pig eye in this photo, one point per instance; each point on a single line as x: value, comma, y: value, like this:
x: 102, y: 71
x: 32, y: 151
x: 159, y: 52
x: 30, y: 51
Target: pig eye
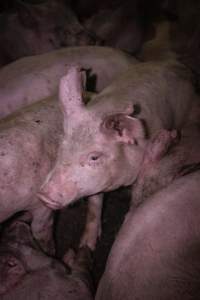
x: 94, y: 158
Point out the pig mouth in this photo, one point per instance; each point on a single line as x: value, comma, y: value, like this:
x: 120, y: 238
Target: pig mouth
x: 49, y: 202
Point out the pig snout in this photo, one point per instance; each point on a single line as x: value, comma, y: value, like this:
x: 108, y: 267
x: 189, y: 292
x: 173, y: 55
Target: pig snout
x: 56, y: 194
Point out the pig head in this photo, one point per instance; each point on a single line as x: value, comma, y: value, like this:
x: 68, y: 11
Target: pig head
x: 19, y: 254
x: 98, y: 152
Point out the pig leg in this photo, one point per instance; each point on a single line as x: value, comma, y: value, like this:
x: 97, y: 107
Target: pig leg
x: 147, y: 181
x: 41, y: 226
x: 81, y: 267
x: 93, y: 222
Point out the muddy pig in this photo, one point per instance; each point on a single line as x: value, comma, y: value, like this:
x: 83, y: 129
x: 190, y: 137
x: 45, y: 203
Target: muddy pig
x: 33, y: 78
x: 156, y: 253
x: 28, y: 146
x: 104, y: 142
x: 39, y: 28
x: 26, y: 273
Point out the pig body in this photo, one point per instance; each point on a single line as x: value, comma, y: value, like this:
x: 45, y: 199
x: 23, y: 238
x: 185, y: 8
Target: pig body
x: 156, y: 253
x: 33, y: 78
x: 28, y: 148
x: 106, y: 140
x: 27, y: 273
x: 165, y: 161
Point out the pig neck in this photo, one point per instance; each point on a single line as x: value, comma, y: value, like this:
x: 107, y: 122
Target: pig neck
x: 183, y: 159
x: 134, y: 155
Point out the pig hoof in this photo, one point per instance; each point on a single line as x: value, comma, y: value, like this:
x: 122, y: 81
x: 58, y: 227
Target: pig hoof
x: 69, y: 258
x: 88, y: 241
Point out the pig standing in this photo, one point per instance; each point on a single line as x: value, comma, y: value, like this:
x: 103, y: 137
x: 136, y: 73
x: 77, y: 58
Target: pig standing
x: 104, y: 143
x: 33, y: 78
x: 28, y: 274
x: 156, y: 253
x: 97, y: 139
x: 29, y: 142
x: 39, y: 28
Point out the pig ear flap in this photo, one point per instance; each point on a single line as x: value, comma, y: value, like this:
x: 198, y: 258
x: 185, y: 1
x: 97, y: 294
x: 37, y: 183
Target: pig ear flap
x: 124, y: 128
x: 71, y: 91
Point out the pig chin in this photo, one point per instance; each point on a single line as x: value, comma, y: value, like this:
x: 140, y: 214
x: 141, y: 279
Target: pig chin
x: 58, y: 202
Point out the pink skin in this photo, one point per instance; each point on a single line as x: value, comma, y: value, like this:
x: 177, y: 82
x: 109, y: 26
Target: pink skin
x: 168, y: 156
x: 148, y: 178
x: 99, y: 144
x: 157, y: 248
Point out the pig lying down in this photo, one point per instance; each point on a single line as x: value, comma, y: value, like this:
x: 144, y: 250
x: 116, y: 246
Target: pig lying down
x: 26, y: 273
x: 156, y: 253
x: 33, y: 78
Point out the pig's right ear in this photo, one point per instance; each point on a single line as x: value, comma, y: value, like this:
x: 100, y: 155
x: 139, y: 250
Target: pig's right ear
x: 123, y: 128
x: 71, y: 92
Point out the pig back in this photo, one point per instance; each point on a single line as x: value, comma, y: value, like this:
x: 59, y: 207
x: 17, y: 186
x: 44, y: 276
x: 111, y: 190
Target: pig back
x: 161, y: 94
x: 33, y: 78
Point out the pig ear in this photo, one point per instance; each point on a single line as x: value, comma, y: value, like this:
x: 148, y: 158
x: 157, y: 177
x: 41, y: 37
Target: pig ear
x: 71, y: 91
x: 124, y: 128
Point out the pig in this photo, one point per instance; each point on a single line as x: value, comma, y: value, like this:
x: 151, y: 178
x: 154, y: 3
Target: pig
x: 38, y: 28
x: 28, y: 273
x: 104, y: 142
x: 156, y: 253
x: 167, y: 157
x: 29, y: 142
x: 33, y: 78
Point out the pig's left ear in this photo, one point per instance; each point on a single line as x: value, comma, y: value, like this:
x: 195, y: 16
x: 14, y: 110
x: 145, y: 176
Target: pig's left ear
x: 123, y: 128
x: 71, y: 92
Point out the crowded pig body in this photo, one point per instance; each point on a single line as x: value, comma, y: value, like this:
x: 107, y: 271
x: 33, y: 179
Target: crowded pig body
x: 94, y: 139
x: 156, y: 253
x: 33, y: 78
x: 106, y: 139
